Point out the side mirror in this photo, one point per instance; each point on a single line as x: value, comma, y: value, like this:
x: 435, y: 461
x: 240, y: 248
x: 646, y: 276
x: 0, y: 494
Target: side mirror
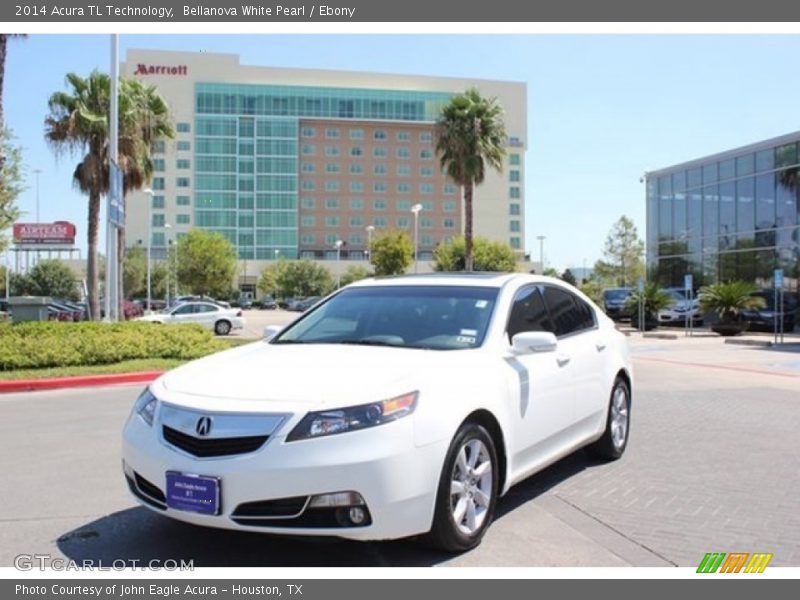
x: 271, y: 331
x: 528, y: 342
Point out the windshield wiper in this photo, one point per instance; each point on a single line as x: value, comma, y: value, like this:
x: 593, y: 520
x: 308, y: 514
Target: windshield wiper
x: 368, y: 342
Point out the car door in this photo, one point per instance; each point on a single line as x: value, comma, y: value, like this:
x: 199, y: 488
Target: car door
x: 206, y: 314
x: 546, y: 399
x: 183, y: 313
x: 580, y: 342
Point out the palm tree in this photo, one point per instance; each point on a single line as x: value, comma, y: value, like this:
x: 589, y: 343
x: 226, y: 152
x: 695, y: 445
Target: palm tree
x: 78, y: 123
x: 469, y: 135
x: 3, y: 43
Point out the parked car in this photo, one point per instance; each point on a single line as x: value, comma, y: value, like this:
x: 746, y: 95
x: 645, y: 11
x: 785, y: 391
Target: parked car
x: 292, y: 303
x: 304, y: 305
x: 182, y: 299
x: 681, y: 309
x: 615, y: 302
x: 395, y: 407
x: 212, y: 316
x: 245, y: 302
x: 267, y: 303
x: 764, y: 319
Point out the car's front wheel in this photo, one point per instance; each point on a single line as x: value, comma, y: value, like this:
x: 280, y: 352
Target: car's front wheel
x: 467, y: 494
x: 615, y: 437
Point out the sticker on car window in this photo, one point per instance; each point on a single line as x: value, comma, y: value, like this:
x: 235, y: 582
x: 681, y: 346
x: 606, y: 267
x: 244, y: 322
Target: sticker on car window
x: 470, y: 332
x: 481, y: 303
x: 465, y: 339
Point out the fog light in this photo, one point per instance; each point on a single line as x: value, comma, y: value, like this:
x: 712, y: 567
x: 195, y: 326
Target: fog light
x: 357, y: 515
x: 336, y: 499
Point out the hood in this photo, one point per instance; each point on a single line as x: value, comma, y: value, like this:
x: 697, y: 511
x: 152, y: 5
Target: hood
x: 262, y: 376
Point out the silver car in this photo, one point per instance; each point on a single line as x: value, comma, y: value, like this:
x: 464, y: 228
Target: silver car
x: 210, y: 315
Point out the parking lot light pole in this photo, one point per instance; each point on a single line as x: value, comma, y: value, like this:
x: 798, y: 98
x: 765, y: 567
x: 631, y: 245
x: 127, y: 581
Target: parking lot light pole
x: 416, y: 209
x: 541, y: 239
x: 148, y: 246
x: 370, y: 231
x: 338, y: 244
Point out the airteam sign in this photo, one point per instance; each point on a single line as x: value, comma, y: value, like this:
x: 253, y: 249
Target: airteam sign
x: 61, y: 233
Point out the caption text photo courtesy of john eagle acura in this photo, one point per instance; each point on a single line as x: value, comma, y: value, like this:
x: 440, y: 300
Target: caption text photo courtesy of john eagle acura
x: 395, y: 407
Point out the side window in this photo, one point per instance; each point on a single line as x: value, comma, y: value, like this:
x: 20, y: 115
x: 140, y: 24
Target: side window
x: 568, y: 315
x: 204, y: 308
x: 528, y: 313
x: 183, y: 310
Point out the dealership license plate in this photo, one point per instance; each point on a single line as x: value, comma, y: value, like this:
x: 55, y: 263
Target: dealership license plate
x: 193, y: 493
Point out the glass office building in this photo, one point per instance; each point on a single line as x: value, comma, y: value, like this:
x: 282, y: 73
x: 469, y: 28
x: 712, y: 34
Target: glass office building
x: 733, y: 215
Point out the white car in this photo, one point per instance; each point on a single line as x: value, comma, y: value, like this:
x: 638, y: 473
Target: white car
x: 681, y: 309
x: 210, y: 315
x: 395, y: 407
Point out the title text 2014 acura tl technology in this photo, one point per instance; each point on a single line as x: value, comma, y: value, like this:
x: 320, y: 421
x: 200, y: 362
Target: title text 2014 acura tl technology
x: 393, y: 408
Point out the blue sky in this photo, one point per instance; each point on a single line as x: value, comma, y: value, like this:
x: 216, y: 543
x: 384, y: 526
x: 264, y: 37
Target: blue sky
x: 602, y: 109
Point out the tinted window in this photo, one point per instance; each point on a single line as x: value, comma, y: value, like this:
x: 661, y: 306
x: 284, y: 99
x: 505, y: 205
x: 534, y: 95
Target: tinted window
x: 528, y: 313
x: 183, y: 310
x: 568, y: 316
x: 204, y: 308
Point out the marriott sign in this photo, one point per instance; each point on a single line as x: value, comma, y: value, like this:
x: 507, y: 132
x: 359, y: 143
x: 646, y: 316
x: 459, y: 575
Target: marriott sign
x: 142, y: 69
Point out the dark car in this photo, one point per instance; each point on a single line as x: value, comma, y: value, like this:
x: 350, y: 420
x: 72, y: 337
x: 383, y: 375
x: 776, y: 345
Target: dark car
x: 245, y: 302
x: 267, y: 303
x: 765, y: 318
x: 304, y: 305
x: 615, y: 302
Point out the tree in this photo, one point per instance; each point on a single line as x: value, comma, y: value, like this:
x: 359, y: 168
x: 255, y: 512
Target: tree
x: 622, y: 254
x: 3, y: 47
x: 470, y: 134
x: 568, y: 277
x: 206, y: 263
x: 10, y: 184
x: 354, y: 273
x: 52, y: 278
x: 134, y: 272
x: 488, y: 255
x: 392, y: 253
x: 288, y: 278
x: 551, y: 272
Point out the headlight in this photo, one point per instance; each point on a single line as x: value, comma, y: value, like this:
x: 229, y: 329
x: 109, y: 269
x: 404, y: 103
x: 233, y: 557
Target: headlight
x: 145, y: 406
x: 353, y: 418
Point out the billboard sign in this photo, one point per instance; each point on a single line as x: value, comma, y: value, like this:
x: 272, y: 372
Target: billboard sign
x: 60, y: 233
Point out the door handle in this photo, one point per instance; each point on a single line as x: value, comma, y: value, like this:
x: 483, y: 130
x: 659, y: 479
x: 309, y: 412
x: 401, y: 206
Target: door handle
x: 600, y: 346
x: 563, y: 359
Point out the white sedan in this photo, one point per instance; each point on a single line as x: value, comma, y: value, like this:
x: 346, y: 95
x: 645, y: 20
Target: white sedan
x: 210, y: 315
x: 393, y: 408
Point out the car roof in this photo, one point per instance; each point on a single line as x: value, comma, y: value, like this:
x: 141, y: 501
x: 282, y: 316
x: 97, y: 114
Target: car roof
x: 474, y: 279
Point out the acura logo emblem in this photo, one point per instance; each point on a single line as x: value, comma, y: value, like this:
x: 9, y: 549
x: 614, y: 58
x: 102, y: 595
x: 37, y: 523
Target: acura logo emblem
x: 203, y: 426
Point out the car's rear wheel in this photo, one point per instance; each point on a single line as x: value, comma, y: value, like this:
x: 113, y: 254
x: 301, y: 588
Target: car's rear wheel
x: 615, y: 437
x: 222, y: 328
x: 467, y: 494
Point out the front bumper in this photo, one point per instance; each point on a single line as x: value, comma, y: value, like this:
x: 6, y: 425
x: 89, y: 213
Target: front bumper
x: 397, y: 480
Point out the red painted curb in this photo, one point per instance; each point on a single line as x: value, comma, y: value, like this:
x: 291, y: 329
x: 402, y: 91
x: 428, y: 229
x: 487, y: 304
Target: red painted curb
x: 29, y: 385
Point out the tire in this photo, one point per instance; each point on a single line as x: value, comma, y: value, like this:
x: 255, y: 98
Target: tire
x: 471, y: 447
x: 612, y: 444
x: 222, y: 327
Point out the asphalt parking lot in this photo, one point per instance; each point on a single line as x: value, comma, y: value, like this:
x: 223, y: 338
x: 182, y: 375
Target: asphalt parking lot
x: 711, y: 466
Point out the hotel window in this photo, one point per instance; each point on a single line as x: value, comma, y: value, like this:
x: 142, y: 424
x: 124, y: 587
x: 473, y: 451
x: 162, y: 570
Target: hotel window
x: 426, y: 223
x: 308, y: 203
x: 356, y: 151
x: 184, y: 127
x: 427, y: 205
x: 513, y: 192
x: 332, y: 168
x: 425, y: 188
x: 184, y: 146
x: 182, y: 219
x: 515, y: 243
x: 308, y: 132
x: 309, y: 221
x: 308, y: 167
x: 380, y: 152
x: 379, y: 134
x: 425, y: 136
x: 184, y: 163
x: 183, y: 200
x: 449, y: 206
x: 332, y: 186
x: 330, y: 240
x: 403, y: 205
x: 356, y: 204
x: 309, y: 150
x: 331, y: 151
x: 449, y: 223
x: 159, y: 146
x: 308, y: 253
x: 356, y: 239
x: 331, y: 221
x: 514, y: 227
x: 379, y: 205
x: 332, y: 203
x: 403, y: 153
x: 158, y: 239
x: 403, y: 170
x: 356, y: 169
x: 426, y: 154
x: 331, y: 133
x: 308, y: 239
x: 356, y: 134
x: 426, y: 171
x: 308, y: 186
x: 356, y: 187
x: 246, y: 201
x: 182, y: 182
x: 449, y: 189
x: 158, y: 220
x: 514, y: 209
x: 379, y: 169
x: 403, y: 222
x: 158, y: 183
x: 403, y: 188
x: 158, y: 164
x: 403, y: 136
x: 158, y: 201
x: 513, y: 159
x: 379, y: 222
x: 379, y: 187
x: 356, y: 221
x: 425, y: 240
x: 513, y: 175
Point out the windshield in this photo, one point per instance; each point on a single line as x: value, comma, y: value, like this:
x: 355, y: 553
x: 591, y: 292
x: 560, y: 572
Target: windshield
x: 431, y: 317
x: 620, y: 294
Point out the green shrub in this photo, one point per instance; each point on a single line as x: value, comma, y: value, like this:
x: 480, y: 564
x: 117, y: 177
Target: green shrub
x: 63, y: 344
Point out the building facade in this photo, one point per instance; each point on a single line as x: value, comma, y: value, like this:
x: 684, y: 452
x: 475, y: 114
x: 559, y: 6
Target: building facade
x: 288, y: 162
x: 733, y: 215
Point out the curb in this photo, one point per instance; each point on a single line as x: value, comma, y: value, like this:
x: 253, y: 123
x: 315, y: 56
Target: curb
x: 759, y: 343
x: 660, y: 336
x: 55, y: 383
